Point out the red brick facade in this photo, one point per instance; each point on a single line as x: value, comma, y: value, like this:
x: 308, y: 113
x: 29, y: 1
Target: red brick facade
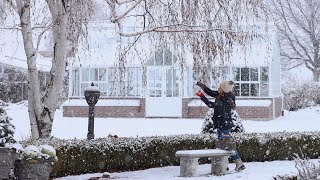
x: 254, y: 112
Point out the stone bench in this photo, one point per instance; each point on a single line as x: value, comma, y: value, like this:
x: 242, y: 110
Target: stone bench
x: 189, y: 161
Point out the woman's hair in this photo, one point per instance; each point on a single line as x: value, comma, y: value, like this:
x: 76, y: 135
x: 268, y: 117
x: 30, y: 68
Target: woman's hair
x: 226, y: 86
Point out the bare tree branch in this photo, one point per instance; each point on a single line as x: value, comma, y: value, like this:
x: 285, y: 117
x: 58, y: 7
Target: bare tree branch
x: 176, y: 30
x: 298, y: 24
x: 117, y: 18
x: 14, y: 7
x: 41, y: 34
x: 124, y: 1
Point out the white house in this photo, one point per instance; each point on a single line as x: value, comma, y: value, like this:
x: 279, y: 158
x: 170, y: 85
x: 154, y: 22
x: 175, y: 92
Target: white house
x: 157, y: 86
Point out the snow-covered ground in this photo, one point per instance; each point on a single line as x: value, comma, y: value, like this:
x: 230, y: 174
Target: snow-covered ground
x: 68, y: 128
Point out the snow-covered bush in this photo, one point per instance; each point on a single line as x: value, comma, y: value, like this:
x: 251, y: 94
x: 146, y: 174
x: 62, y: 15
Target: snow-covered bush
x: 208, y: 126
x: 32, y: 152
x: 123, y: 154
x: 6, y: 128
x: 299, y: 95
x: 307, y: 169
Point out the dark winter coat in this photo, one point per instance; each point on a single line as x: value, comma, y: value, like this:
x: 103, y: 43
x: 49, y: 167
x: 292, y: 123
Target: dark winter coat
x: 222, y: 108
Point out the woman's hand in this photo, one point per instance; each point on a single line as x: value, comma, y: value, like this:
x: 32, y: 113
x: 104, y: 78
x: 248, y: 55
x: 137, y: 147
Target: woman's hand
x: 200, y: 84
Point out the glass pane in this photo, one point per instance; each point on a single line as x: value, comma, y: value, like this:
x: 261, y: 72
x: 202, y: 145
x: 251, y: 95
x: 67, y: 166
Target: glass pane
x: 158, y: 93
x: 94, y: 74
x: 134, y: 82
x: 103, y: 89
x: 85, y: 74
x: 151, y: 78
x: 150, y: 62
x: 254, y: 89
x: 175, y: 59
x: 159, y: 58
x: 264, y: 74
x: 102, y: 74
x: 155, y: 82
x: 83, y: 86
x: 264, y: 89
x: 112, y: 81
x: 244, y: 74
x: 254, y: 74
x: 75, y: 81
x: 139, y: 81
x: 176, y: 80
x: 236, y: 74
x: 112, y: 91
x: 169, y: 82
x: 167, y: 57
x: 152, y: 93
x: 245, y: 89
x: 236, y: 89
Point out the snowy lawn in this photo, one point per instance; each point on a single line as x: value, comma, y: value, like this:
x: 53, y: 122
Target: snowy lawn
x: 254, y: 171
x: 68, y: 128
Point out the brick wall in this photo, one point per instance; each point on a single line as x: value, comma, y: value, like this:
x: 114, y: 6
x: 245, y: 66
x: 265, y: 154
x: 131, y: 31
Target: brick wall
x: 255, y: 113
x: 193, y: 111
x: 278, y: 106
x: 107, y: 111
x: 245, y: 112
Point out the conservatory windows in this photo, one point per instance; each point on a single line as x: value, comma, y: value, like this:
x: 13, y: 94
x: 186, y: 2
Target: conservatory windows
x: 251, y: 81
x: 162, y: 57
x: 110, y: 81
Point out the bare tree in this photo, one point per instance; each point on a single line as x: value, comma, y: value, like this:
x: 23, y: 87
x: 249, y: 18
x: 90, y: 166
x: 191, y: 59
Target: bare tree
x: 65, y: 19
x: 298, y: 22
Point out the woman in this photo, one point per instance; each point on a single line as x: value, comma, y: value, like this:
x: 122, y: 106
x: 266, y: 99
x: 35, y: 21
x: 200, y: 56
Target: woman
x: 224, y: 102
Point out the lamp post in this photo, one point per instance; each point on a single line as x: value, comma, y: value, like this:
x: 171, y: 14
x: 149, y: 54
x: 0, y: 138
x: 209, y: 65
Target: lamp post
x: 92, y: 94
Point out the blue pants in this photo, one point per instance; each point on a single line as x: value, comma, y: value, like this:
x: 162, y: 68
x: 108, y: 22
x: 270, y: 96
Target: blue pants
x: 226, y: 135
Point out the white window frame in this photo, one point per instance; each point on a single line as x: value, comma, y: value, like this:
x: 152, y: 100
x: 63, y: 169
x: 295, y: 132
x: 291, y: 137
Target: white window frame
x: 105, y: 82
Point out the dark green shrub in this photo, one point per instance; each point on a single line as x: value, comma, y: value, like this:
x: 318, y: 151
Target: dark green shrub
x: 6, y: 128
x: 123, y: 154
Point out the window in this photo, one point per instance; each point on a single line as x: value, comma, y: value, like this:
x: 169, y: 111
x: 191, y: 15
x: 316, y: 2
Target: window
x: 134, y: 82
x: 264, y: 81
x: 108, y: 80
x: 251, y: 81
x: 162, y: 57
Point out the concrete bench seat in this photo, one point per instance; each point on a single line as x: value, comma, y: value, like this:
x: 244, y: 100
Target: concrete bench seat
x: 189, y: 161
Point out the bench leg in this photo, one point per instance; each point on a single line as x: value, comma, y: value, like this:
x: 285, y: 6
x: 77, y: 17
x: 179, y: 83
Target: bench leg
x: 188, y: 166
x: 219, y: 165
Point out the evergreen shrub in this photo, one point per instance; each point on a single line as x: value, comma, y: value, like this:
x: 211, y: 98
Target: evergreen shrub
x: 124, y: 154
x: 6, y: 128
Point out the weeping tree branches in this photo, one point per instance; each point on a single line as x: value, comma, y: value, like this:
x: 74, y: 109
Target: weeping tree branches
x: 207, y: 29
x: 298, y: 22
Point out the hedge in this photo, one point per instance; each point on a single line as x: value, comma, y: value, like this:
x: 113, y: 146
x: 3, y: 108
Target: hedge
x: 126, y: 154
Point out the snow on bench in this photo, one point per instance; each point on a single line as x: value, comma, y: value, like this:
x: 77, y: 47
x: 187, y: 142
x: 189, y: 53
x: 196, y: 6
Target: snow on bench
x: 189, y: 161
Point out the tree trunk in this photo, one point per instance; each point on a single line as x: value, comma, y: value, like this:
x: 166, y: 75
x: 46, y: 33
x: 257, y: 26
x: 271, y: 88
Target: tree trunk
x: 34, y: 103
x: 50, y: 100
x: 41, y: 109
x: 316, y: 74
